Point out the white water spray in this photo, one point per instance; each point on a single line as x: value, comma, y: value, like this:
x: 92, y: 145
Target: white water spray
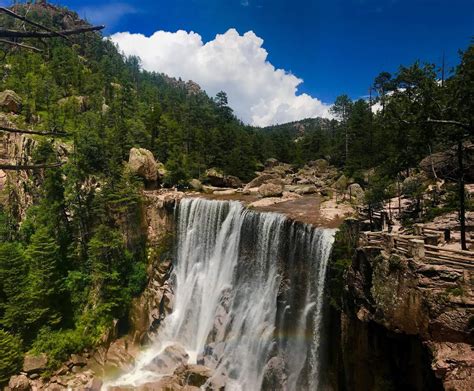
x: 231, y: 268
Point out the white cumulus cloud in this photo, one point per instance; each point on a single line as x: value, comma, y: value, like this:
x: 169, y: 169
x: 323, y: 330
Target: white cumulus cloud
x: 259, y: 93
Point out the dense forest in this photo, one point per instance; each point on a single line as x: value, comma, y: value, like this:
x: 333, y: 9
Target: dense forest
x: 72, y: 265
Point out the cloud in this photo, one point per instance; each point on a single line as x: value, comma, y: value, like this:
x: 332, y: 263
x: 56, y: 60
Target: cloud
x: 244, y: 3
x: 259, y: 93
x: 108, y: 14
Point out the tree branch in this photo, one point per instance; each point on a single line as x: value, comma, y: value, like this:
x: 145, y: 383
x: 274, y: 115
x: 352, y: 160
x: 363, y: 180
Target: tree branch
x: 22, y: 18
x: 36, y: 132
x: 20, y: 45
x: 17, y: 167
x: 44, y: 34
x: 448, y: 122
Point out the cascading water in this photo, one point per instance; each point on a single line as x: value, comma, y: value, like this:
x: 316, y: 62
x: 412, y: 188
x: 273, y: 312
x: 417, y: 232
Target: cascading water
x: 248, y: 291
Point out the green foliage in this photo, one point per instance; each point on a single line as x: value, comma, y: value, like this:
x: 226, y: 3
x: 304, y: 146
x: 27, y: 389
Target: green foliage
x: 11, y: 356
x: 60, y: 344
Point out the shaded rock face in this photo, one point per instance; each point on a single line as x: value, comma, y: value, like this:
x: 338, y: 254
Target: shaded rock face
x: 10, y: 101
x: 399, y: 316
x: 275, y: 377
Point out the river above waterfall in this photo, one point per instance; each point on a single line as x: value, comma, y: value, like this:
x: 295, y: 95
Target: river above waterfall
x: 248, y: 300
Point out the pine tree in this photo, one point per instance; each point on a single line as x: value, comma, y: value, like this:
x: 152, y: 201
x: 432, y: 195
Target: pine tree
x: 10, y: 356
x: 44, y: 282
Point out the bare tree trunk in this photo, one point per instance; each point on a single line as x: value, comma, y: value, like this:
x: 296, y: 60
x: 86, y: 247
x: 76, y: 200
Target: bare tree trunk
x: 462, y: 197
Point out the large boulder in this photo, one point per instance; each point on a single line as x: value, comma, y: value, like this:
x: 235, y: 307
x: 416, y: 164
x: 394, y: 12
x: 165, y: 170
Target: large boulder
x: 260, y: 180
x: 35, y: 363
x: 271, y: 190
x: 195, y: 184
x: 215, y: 177
x: 270, y: 163
x: 10, y: 101
x: 142, y: 163
x: 355, y: 190
x: 445, y: 164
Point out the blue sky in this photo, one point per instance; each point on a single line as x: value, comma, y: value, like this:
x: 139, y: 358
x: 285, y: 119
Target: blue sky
x: 335, y: 46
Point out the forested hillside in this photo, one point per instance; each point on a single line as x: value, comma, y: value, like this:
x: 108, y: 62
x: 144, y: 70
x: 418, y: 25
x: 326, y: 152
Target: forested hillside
x: 73, y: 263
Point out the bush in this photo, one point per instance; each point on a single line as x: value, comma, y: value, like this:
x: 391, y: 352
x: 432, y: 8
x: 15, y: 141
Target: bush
x: 60, y: 344
x: 11, y: 356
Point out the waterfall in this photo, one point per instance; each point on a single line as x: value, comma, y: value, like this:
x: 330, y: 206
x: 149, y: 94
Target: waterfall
x: 248, y: 288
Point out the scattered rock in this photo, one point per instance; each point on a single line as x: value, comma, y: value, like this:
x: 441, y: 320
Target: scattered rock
x: 77, y: 360
x: 306, y: 189
x: 10, y: 101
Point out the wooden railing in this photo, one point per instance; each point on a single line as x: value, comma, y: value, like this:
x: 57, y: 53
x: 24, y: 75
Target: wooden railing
x: 416, y: 247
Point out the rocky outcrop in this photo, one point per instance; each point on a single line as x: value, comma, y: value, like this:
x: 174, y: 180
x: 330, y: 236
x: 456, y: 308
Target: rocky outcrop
x: 408, y: 306
x: 142, y: 163
x: 10, y: 101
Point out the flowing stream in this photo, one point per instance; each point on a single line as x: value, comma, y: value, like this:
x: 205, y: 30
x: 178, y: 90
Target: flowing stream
x: 248, y: 298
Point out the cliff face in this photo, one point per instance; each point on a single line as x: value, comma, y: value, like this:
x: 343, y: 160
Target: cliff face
x: 404, y: 324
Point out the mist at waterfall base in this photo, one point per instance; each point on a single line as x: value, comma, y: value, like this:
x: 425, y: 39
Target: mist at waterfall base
x: 248, y: 298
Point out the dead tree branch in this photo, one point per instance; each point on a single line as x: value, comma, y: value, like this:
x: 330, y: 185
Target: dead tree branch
x: 26, y: 20
x: 36, y: 132
x: 18, y: 167
x: 448, y: 122
x: 46, y: 34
